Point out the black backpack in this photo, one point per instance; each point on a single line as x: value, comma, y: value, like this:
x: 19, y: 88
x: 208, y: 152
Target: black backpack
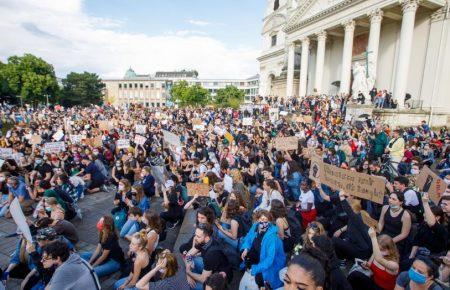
x: 245, y: 223
x: 295, y: 227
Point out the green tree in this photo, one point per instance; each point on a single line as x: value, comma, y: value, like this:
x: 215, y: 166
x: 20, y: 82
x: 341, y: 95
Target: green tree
x: 230, y: 96
x: 82, y: 89
x: 29, y: 77
x: 186, y: 95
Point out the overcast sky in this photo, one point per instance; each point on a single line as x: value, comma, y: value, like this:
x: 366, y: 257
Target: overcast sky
x: 219, y: 38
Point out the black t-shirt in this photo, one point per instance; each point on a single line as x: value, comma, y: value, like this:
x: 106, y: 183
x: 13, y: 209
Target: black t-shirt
x: 215, y: 260
x: 43, y: 169
x: 433, y: 238
x: 95, y: 173
x: 67, y: 229
x: 115, y: 251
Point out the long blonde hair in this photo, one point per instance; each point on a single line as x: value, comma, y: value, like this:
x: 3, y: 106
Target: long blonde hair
x: 387, y: 243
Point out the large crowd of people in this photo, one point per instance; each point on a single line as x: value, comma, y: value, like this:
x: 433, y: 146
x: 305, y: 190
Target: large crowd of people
x: 264, y: 222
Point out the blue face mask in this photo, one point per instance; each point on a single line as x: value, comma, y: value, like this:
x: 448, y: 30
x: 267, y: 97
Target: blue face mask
x: 416, y: 277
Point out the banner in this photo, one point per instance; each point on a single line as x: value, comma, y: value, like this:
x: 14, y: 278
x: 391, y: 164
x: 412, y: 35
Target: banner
x: 171, y: 138
x: 20, y: 220
x: 247, y: 121
x: 54, y: 147
x: 358, y: 184
x: 202, y: 189
x: 139, y: 140
x: 58, y: 135
x: 141, y: 129
x: 76, y: 139
x: 286, y: 143
x: 430, y: 182
x: 123, y: 143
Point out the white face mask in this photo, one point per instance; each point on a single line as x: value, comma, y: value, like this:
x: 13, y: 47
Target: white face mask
x: 447, y: 181
x: 415, y: 171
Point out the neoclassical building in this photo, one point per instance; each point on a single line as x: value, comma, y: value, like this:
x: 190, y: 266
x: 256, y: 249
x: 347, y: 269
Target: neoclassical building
x: 312, y: 46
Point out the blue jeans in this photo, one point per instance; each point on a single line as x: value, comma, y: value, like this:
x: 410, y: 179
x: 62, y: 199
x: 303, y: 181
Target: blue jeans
x: 122, y: 281
x: 198, y: 269
x: 225, y: 238
x: 130, y: 227
x: 4, y: 209
x: 105, y: 269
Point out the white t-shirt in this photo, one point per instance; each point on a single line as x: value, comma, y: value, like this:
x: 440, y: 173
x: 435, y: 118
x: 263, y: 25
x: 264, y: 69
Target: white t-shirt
x: 305, y: 198
x: 411, y: 198
x: 228, y: 183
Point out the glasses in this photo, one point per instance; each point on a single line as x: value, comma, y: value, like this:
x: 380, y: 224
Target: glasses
x: 46, y: 258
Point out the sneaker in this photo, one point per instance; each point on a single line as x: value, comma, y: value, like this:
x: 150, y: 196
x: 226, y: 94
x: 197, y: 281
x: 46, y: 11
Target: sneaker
x: 172, y: 226
x: 104, y: 188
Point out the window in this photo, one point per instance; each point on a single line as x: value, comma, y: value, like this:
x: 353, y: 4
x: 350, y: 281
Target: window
x: 146, y: 86
x: 141, y: 86
x: 274, y: 40
x: 216, y: 84
x: 120, y: 85
x: 124, y: 86
x: 163, y: 86
x: 146, y: 104
x: 135, y: 85
x: 152, y: 86
x: 157, y: 104
x: 131, y: 86
x: 153, y: 104
x: 276, y: 5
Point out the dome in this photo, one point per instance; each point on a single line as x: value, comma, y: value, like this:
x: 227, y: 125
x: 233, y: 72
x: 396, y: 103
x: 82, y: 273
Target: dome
x: 130, y: 74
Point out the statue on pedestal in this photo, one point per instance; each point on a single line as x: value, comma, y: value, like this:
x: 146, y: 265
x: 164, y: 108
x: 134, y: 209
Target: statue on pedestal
x: 360, y: 87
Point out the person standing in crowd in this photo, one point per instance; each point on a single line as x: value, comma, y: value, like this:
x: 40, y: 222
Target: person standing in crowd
x: 396, y: 148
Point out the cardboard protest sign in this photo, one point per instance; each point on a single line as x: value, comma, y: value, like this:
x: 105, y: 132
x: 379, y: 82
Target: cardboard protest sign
x: 196, y: 121
x: 20, y: 220
x: 124, y: 122
x: 54, y: 147
x: 123, y: 143
x: 202, y: 189
x: 286, y: 143
x: 36, y: 139
x: 307, y: 119
x: 430, y: 182
x: 247, y: 121
x: 358, y: 184
x: 105, y: 125
x: 97, y: 141
x: 58, y: 135
x: 368, y: 220
x: 171, y: 138
x: 139, y: 140
x: 229, y: 137
x: 140, y: 129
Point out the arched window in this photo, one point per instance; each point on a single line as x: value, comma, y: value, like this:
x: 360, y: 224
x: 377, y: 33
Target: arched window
x: 276, y: 5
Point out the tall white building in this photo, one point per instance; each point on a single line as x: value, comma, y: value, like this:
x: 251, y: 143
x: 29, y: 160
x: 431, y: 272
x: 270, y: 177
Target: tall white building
x: 312, y: 46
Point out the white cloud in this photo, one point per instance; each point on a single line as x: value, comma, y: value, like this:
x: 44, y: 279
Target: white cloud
x: 62, y: 34
x: 198, y: 22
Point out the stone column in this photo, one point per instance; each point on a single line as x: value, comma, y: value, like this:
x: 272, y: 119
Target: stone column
x: 290, y: 71
x: 374, y: 40
x: 409, y: 8
x: 321, y: 40
x: 304, y: 67
x: 349, y: 27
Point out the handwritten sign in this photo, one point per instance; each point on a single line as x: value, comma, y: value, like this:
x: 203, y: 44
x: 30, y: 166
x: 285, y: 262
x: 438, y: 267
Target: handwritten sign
x: 172, y: 138
x: 20, y: 220
x: 196, y: 121
x: 139, y: 140
x: 140, y: 129
x: 36, y: 139
x: 123, y: 143
x: 76, y: 139
x: 58, y: 135
x: 358, y: 184
x: 201, y: 189
x: 368, y: 220
x: 247, y: 121
x: 430, y: 182
x: 54, y: 147
x: 286, y: 143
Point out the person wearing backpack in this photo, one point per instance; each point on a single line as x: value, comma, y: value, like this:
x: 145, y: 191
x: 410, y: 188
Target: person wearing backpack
x: 289, y: 230
x: 262, y: 253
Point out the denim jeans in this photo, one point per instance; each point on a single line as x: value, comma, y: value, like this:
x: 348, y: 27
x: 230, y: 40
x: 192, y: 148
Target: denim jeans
x: 226, y: 239
x: 122, y: 281
x: 198, y: 269
x: 4, y: 209
x: 130, y: 227
x: 105, y: 269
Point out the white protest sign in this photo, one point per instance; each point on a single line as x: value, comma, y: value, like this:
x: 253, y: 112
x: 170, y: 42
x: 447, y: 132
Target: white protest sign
x: 140, y: 129
x: 1, y: 162
x: 247, y: 121
x: 139, y: 140
x: 20, y: 220
x: 172, y: 138
x: 283, y: 113
x: 6, y: 153
x: 54, y: 147
x: 199, y: 127
x: 76, y: 139
x: 273, y: 114
x: 123, y: 143
x: 58, y: 135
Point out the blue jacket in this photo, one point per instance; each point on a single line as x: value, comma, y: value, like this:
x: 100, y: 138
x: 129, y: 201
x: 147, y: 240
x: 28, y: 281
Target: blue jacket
x: 294, y: 184
x: 272, y: 258
x: 148, y: 185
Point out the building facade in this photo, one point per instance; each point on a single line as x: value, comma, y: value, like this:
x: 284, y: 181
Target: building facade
x: 154, y: 90
x: 325, y: 46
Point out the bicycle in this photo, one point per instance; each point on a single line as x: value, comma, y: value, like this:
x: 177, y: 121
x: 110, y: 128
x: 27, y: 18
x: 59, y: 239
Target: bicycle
x: 387, y: 169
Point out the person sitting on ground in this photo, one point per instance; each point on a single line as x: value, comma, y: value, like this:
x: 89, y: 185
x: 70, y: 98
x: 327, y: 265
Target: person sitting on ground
x: 148, y: 181
x: 92, y: 175
x: 165, y: 275
x: 228, y: 225
x: 262, y: 251
x: 205, y: 215
x: 313, y: 229
x: 217, y: 281
x: 172, y: 203
x: 304, y: 272
x: 421, y: 275
x: 108, y: 256
x: 154, y: 229
x: 140, y: 262
x: 71, y: 272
